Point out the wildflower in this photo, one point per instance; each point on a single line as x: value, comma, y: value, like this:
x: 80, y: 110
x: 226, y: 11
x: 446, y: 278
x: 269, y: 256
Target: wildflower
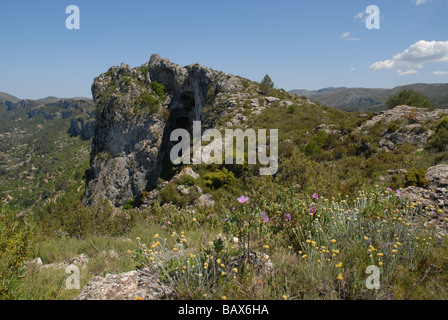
x: 156, y: 236
x: 235, y: 270
x: 138, y: 298
x: 174, y: 249
x: 380, y: 264
x: 266, y: 246
x: 129, y: 251
x: 243, y: 199
x: 226, y: 219
x: 366, y: 238
x: 312, y: 210
x: 304, y: 256
x: 339, y: 277
x: 194, y: 219
x: 218, y: 261
x: 389, y: 189
x: 316, y: 196
x: 138, y: 238
x: 287, y: 217
x: 285, y: 298
x: 223, y: 273
x: 333, y: 241
x: 223, y: 298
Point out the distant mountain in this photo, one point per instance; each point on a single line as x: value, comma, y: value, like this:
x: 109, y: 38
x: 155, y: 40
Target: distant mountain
x: 365, y: 99
x: 41, y: 156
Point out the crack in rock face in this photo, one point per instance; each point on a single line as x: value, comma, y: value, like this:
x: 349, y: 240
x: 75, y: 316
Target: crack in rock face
x: 134, y: 123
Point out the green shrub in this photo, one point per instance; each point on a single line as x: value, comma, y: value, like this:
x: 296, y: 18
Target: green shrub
x: 14, y: 249
x: 410, y: 98
x: 127, y: 81
x: 158, y: 88
x: 416, y: 178
x: 148, y: 101
x: 218, y: 178
x: 439, y: 141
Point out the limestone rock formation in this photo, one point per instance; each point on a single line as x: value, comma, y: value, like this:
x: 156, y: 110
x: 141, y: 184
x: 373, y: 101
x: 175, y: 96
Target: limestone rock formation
x: 133, y: 122
x: 139, y: 284
x: 435, y: 195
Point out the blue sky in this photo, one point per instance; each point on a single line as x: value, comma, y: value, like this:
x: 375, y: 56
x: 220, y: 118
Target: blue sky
x: 300, y: 44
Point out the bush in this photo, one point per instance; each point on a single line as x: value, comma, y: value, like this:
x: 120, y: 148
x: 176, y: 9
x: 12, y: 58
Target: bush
x: 218, y: 178
x: 158, y: 88
x: 14, y: 249
x: 410, y: 98
x: 416, y: 178
x: 439, y: 141
x: 147, y: 100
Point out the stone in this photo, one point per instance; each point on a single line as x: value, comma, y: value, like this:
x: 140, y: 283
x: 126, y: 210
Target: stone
x: 138, y: 284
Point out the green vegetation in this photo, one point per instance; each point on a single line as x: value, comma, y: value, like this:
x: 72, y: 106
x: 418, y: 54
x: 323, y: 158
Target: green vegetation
x: 267, y: 85
x: 326, y: 215
x: 149, y: 102
x: 158, y: 88
x: 410, y: 98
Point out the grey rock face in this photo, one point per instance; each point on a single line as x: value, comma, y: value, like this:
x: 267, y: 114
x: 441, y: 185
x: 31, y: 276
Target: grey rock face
x: 140, y: 284
x: 130, y: 142
x: 435, y: 195
x: 85, y: 128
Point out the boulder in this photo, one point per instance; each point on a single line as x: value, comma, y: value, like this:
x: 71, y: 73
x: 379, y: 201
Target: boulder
x: 134, y: 285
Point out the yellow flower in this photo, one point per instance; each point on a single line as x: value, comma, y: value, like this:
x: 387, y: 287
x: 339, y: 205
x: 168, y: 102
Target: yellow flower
x: 223, y: 298
x: 194, y: 219
x: 285, y: 298
x: 129, y: 251
x: 204, y: 295
x: 380, y: 264
x: 138, y: 298
x: 380, y: 254
x: 266, y: 246
x: 218, y: 261
x: 222, y: 265
x: 223, y: 273
x: 151, y: 258
x: 138, y: 238
x: 304, y: 256
x: 365, y: 238
x: 235, y: 270
x: 156, y: 236
x: 333, y: 241
x: 174, y: 249
x: 394, y: 251
x: 339, y: 277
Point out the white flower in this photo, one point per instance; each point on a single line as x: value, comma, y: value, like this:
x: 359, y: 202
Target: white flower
x: 235, y: 240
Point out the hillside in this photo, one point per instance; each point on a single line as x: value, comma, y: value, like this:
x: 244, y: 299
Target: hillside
x: 39, y: 160
x: 364, y: 99
x: 351, y: 191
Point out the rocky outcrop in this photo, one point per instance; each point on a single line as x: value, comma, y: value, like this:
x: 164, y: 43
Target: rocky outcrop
x: 141, y: 284
x: 131, y: 140
x: 435, y: 196
x: 82, y: 127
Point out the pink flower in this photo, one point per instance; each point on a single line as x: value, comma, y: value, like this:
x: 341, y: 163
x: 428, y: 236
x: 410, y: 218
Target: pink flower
x: 243, y: 199
x: 316, y: 196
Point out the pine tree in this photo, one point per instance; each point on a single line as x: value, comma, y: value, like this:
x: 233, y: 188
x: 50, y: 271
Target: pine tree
x: 267, y: 85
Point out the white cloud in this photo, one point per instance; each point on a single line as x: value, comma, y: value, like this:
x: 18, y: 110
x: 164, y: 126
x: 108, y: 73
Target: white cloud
x: 346, y: 36
x: 359, y: 15
x: 352, y: 69
x: 420, y: 2
x: 407, y: 72
x: 413, y: 58
x: 440, y: 73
